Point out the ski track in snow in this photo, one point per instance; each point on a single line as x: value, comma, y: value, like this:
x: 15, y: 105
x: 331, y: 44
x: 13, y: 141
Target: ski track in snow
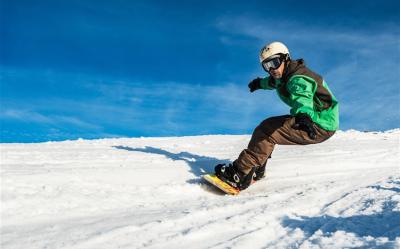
x: 147, y: 193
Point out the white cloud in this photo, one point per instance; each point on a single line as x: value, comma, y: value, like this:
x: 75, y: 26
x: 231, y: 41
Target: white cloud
x: 261, y: 29
x: 178, y: 105
x: 36, y: 117
x: 25, y: 115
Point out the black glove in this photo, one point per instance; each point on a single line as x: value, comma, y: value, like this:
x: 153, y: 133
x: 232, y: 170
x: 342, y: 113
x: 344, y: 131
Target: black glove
x: 255, y: 84
x: 304, y: 122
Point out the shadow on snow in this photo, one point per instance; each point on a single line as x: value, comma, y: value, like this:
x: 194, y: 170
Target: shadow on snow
x: 375, y: 225
x: 199, y: 165
x: 383, y: 224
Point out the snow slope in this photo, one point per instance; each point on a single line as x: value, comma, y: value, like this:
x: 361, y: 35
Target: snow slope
x: 147, y: 193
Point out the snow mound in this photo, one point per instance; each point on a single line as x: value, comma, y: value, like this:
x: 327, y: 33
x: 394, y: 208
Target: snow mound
x: 148, y: 193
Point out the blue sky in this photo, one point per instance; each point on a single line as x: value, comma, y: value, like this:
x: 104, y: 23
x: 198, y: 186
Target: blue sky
x: 94, y: 69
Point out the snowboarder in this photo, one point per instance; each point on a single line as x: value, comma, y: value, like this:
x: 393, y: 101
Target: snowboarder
x: 314, y: 115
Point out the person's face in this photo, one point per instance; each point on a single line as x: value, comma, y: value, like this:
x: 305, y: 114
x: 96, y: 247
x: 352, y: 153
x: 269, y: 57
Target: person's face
x: 277, y: 73
x: 274, y: 65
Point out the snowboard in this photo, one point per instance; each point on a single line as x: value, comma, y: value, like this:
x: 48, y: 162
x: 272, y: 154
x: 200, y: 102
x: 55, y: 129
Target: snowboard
x: 221, y: 185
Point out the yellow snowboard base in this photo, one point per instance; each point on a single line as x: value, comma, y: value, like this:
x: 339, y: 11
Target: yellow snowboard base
x: 223, y: 186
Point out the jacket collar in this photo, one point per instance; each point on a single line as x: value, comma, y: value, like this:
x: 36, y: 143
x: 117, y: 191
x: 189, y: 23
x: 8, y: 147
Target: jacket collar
x: 291, y: 68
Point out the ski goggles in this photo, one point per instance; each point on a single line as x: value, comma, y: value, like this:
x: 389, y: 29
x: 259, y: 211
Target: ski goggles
x: 272, y: 63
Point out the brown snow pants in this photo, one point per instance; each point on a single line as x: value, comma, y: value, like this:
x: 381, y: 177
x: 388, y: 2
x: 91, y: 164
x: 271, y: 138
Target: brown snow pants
x: 272, y: 131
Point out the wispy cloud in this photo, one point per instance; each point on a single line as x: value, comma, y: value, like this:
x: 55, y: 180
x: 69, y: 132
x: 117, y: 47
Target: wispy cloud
x: 178, y: 105
x: 29, y: 116
x: 293, y: 30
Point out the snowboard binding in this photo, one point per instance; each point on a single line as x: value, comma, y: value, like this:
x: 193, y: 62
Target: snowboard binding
x: 233, y: 176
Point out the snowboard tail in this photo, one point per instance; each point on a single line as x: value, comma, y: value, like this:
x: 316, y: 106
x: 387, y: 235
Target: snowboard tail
x: 223, y: 186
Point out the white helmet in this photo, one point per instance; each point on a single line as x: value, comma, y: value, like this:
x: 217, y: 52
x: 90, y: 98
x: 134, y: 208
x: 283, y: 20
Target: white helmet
x: 273, y: 49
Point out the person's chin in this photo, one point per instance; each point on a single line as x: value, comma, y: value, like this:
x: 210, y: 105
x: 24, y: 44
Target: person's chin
x: 276, y: 76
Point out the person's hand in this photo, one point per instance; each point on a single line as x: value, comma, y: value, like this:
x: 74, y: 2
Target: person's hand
x: 255, y: 84
x: 304, y: 122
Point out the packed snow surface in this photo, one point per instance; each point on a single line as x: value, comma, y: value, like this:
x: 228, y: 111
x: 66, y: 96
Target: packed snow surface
x: 148, y: 193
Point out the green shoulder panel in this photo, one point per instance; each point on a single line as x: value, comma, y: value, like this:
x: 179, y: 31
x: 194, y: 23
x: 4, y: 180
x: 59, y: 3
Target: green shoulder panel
x: 302, y: 100
x: 301, y: 93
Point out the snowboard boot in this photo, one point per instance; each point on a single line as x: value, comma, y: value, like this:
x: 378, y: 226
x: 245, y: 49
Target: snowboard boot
x: 259, y: 172
x: 233, y: 176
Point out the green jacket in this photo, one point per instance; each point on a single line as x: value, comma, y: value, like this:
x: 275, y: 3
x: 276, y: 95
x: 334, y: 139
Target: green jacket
x: 306, y: 92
